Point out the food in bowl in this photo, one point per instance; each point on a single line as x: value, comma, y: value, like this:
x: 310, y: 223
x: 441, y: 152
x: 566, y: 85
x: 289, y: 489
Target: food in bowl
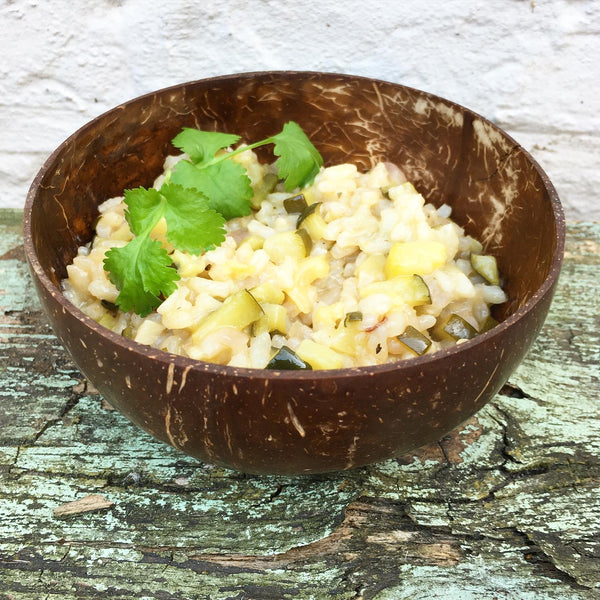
x: 354, y: 269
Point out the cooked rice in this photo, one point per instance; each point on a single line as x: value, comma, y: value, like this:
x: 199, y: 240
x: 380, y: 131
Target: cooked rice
x: 360, y: 218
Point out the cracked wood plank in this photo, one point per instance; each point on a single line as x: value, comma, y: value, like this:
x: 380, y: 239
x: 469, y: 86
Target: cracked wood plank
x: 506, y: 506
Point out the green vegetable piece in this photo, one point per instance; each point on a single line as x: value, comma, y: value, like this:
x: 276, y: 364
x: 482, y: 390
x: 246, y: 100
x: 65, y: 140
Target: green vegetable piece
x: 353, y: 317
x: 486, y: 266
x: 128, y: 332
x: 488, y: 324
x: 269, y: 182
x: 414, y: 340
x: 106, y: 320
x: 239, y: 311
x: 266, y: 186
x: 422, y: 294
x: 306, y: 240
x: 295, y: 204
x: 111, y: 307
x: 410, y: 289
x: 309, y: 210
x: 286, y: 359
x: 456, y: 328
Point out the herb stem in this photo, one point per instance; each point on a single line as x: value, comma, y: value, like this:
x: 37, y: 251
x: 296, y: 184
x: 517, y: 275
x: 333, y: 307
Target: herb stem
x: 217, y: 159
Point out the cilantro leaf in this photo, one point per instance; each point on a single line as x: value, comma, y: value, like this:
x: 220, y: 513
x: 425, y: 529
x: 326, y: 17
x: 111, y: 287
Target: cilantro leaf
x: 144, y: 209
x: 191, y: 225
x: 201, y: 146
x: 299, y: 161
x: 142, y: 272
x: 225, y: 183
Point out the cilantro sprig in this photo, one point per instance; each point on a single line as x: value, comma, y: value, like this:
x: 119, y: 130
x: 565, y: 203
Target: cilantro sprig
x: 198, y: 196
x: 225, y: 182
x: 142, y: 269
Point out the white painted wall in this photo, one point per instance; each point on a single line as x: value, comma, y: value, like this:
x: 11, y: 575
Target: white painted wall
x: 533, y: 67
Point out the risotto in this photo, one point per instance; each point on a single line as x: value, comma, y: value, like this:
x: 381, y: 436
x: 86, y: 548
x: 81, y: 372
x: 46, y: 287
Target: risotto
x: 356, y: 269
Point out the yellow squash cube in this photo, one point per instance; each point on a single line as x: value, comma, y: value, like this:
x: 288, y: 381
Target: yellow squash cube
x: 416, y: 257
x: 319, y: 356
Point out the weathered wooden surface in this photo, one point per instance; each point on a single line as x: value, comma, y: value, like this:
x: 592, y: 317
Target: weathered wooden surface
x: 508, y: 506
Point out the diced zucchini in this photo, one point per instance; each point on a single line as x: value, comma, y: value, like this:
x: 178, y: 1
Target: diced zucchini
x: 266, y: 186
x: 319, y: 356
x: 268, y: 292
x: 310, y: 195
x: 347, y: 340
x: 311, y: 220
x: 127, y: 332
x: 295, y: 204
x: 454, y: 328
x: 111, y: 307
x: 239, y: 310
x: 254, y: 241
x: 348, y: 334
x: 420, y: 257
x: 107, y: 320
x: 283, y: 244
x: 306, y: 239
x: 309, y: 210
x: 188, y: 265
x: 486, y: 266
x: 410, y: 289
x: 315, y: 225
x: 414, y: 340
x: 274, y: 318
x: 488, y: 324
x: 287, y: 359
x: 328, y: 316
x: 353, y: 317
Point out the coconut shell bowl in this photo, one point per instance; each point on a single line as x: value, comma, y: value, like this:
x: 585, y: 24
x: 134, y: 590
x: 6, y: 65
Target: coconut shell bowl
x: 293, y: 422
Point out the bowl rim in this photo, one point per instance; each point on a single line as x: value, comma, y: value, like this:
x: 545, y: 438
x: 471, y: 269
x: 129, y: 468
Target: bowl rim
x: 186, y: 363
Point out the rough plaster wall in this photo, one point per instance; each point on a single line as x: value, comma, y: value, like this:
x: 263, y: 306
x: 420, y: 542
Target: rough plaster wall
x: 531, y: 67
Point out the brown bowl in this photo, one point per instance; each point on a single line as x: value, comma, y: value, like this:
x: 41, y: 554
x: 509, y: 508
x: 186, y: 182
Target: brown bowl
x: 304, y: 421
